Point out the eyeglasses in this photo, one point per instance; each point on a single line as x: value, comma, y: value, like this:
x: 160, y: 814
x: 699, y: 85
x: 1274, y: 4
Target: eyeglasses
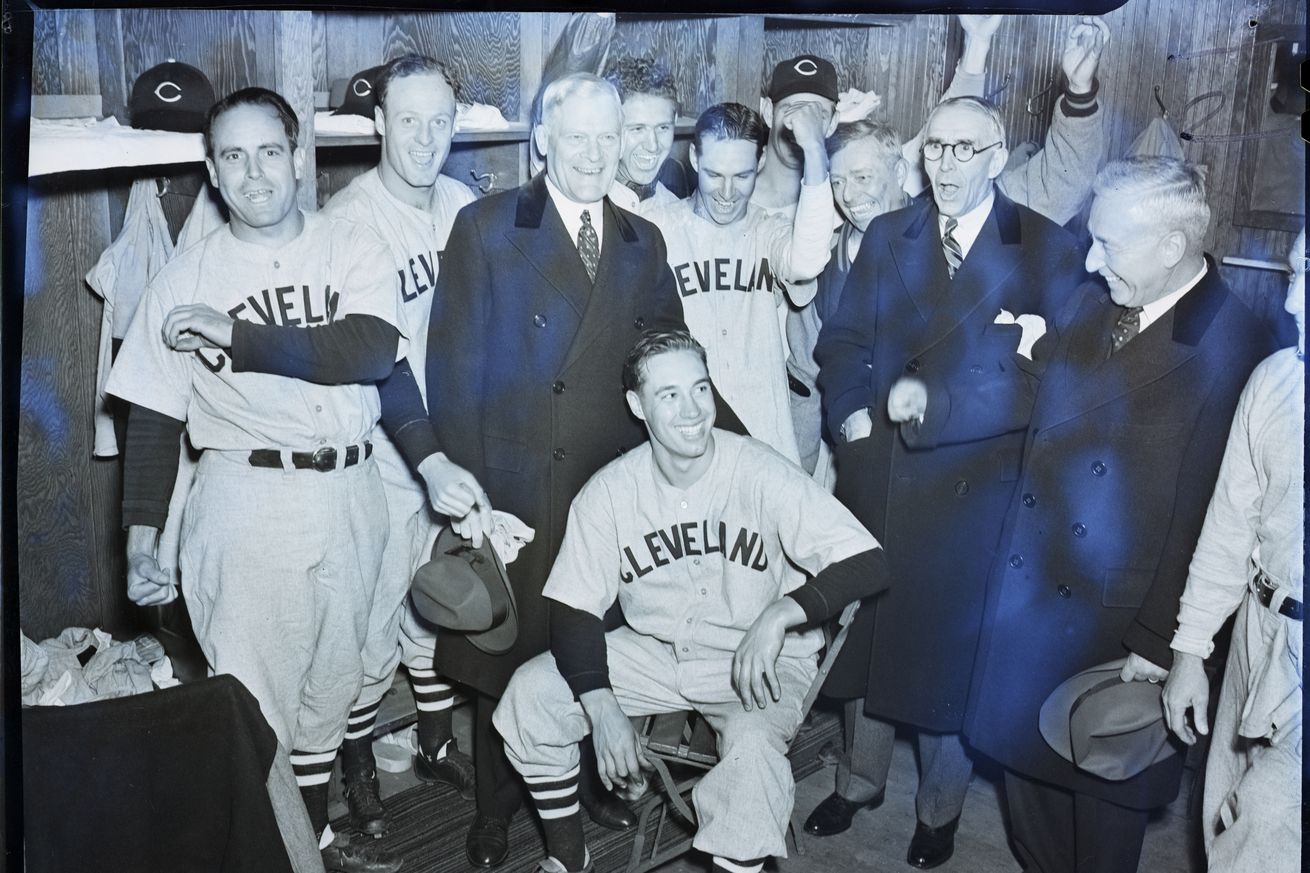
x: 963, y: 151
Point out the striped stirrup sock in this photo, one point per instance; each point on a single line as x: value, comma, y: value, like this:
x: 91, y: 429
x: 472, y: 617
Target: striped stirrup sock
x: 724, y: 865
x: 556, y: 800
x: 433, y: 698
x: 359, y: 723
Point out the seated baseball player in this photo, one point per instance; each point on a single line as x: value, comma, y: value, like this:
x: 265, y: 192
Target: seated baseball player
x: 724, y: 557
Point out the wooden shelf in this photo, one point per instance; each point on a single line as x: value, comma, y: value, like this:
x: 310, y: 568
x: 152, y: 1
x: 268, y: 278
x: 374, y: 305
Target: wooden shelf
x: 518, y: 131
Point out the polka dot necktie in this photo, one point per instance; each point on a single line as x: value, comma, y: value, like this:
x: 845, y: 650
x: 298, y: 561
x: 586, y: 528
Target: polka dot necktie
x: 1126, y: 327
x: 588, y: 245
x: 951, y: 248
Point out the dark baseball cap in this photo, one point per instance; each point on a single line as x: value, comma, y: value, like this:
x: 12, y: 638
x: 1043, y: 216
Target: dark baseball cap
x: 360, y: 97
x: 171, y: 96
x: 804, y: 74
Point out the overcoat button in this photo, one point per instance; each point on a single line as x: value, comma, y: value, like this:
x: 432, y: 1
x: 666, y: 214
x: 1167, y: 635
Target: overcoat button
x: 539, y: 320
x: 557, y: 386
x: 1064, y: 591
x: 1029, y: 500
x: 1079, y: 529
x: 640, y: 323
x: 912, y: 366
x: 1016, y: 561
x: 976, y: 369
x: 1098, y: 468
x: 558, y: 454
x: 962, y: 487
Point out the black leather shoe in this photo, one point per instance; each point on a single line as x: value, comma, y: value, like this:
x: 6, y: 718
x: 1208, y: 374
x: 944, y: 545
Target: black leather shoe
x: 487, y: 843
x: 932, y: 847
x: 834, y: 814
x: 362, y: 856
x: 609, y: 811
x: 367, y: 815
x: 455, y: 769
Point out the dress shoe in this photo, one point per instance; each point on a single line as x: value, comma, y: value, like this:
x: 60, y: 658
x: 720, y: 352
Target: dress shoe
x: 455, y: 769
x: 487, y: 843
x: 834, y: 814
x: 359, y: 856
x: 932, y: 847
x: 608, y: 810
x: 367, y: 815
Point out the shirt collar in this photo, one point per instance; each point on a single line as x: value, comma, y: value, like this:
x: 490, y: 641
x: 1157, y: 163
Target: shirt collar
x: 571, y: 213
x: 1152, y: 311
x: 970, y: 224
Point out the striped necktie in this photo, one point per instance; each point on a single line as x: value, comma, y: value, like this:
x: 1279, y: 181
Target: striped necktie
x: 588, y: 245
x: 951, y: 248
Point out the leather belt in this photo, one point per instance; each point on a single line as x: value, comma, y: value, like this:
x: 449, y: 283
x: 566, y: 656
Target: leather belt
x: 1264, y: 592
x: 323, y: 460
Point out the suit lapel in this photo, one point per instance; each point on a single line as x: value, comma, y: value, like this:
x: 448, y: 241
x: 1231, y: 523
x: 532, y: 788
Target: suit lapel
x: 919, y: 260
x: 613, y: 275
x: 540, y: 236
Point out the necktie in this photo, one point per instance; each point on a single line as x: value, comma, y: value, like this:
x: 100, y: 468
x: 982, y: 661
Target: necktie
x: 951, y: 248
x: 588, y: 245
x: 1125, y: 327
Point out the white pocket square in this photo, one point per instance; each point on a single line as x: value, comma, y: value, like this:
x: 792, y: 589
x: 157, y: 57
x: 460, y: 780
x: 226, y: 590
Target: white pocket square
x: 1033, y: 327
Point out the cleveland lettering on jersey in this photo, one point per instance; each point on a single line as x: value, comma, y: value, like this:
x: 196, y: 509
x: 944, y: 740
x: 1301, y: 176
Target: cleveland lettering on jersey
x: 289, y: 306
x: 419, y: 278
x: 725, y: 274
x: 693, y: 538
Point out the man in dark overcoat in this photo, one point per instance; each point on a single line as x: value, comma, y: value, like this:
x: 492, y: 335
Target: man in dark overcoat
x: 542, y: 292
x: 1126, y: 438
x: 954, y: 289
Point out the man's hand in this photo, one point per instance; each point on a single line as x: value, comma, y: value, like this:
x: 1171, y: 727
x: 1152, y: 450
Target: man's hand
x: 907, y: 400
x: 809, y: 124
x: 147, y: 583
x: 1083, y: 45
x: 619, y: 756
x: 196, y: 326
x: 1137, y: 668
x: 1187, y: 688
x: 978, y: 33
x: 755, y: 663
x: 981, y: 26
x: 857, y: 426
x: 455, y: 493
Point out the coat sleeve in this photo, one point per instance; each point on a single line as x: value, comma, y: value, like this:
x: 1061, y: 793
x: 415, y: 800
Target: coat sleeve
x: 1057, y: 179
x: 844, y: 350
x: 457, y: 344
x: 1153, y: 627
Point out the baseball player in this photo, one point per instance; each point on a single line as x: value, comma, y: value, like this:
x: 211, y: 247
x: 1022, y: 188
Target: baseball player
x: 650, y: 113
x: 284, y: 526
x: 735, y: 265
x: 411, y: 206
x: 718, y: 550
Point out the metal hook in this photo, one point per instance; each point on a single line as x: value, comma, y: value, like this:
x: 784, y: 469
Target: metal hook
x: 1050, y: 86
x: 165, y: 186
x: 490, y: 180
x: 999, y: 88
x: 1159, y: 101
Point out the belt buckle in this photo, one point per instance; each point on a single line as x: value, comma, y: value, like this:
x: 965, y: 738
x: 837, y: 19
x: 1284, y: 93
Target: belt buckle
x: 325, y: 459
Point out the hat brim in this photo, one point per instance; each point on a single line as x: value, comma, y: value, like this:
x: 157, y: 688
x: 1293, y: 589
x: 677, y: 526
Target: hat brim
x: 500, y: 638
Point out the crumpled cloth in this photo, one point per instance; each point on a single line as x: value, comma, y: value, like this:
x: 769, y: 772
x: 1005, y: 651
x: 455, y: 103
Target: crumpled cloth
x: 509, y: 534
x: 82, y: 665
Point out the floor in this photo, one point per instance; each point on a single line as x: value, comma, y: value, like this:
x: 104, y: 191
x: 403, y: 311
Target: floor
x: 878, y: 839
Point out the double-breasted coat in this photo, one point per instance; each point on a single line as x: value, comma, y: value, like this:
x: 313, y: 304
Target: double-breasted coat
x: 1121, y: 458
x: 524, y: 378
x: 937, y: 511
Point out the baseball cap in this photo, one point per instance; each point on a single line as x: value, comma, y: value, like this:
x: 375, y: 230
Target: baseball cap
x: 804, y: 74
x: 1105, y: 726
x: 358, y: 97
x: 171, y: 96
x: 466, y: 589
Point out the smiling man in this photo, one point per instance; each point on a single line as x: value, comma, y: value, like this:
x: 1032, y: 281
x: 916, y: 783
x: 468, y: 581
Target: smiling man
x: 285, y: 522
x: 542, y: 292
x: 718, y: 550
x: 734, y: 265
x: 411, y: 206
x: 650, y: 111
x: 920, y: 308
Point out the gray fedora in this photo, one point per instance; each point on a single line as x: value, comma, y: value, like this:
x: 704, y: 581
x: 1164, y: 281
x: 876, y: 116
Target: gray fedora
x: 467, y: 590
x: 1105, y: 726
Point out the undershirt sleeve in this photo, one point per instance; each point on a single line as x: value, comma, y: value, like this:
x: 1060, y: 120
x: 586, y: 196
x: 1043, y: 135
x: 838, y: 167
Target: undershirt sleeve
x: 149, y: 466
x: 577, y: 640
x: 355, y: 348
x: 852, y: 579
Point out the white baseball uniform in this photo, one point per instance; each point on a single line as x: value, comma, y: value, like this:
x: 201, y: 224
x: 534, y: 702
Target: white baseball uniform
x: 278, y: 565
x: 732, y: 280
x: 415, y: 238
x: 693, y: 569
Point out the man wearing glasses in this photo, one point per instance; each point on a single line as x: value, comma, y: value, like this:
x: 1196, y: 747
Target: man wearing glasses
x: 950, y: 292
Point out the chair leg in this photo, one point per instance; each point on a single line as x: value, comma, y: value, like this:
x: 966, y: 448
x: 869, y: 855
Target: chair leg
x: 795, y: 833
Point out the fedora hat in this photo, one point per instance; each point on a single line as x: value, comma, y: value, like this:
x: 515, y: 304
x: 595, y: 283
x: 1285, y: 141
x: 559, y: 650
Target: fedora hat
x: 467, y: 590
x: 1105, y: 726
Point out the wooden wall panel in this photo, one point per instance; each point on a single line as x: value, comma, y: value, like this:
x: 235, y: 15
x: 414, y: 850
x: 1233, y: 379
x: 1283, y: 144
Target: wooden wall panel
x: 481, y: 48
x: 689, y: 49
x: 64, y: 52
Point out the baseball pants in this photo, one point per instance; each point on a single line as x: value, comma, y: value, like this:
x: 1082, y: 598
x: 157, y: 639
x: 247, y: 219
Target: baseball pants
x: 944, y: 766
x: 744, y: 803
x: 278, y: 569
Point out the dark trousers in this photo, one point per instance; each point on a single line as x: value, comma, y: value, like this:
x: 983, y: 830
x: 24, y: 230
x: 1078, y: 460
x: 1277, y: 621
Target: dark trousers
x: 1058, y: 831
x: 498, y: 789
